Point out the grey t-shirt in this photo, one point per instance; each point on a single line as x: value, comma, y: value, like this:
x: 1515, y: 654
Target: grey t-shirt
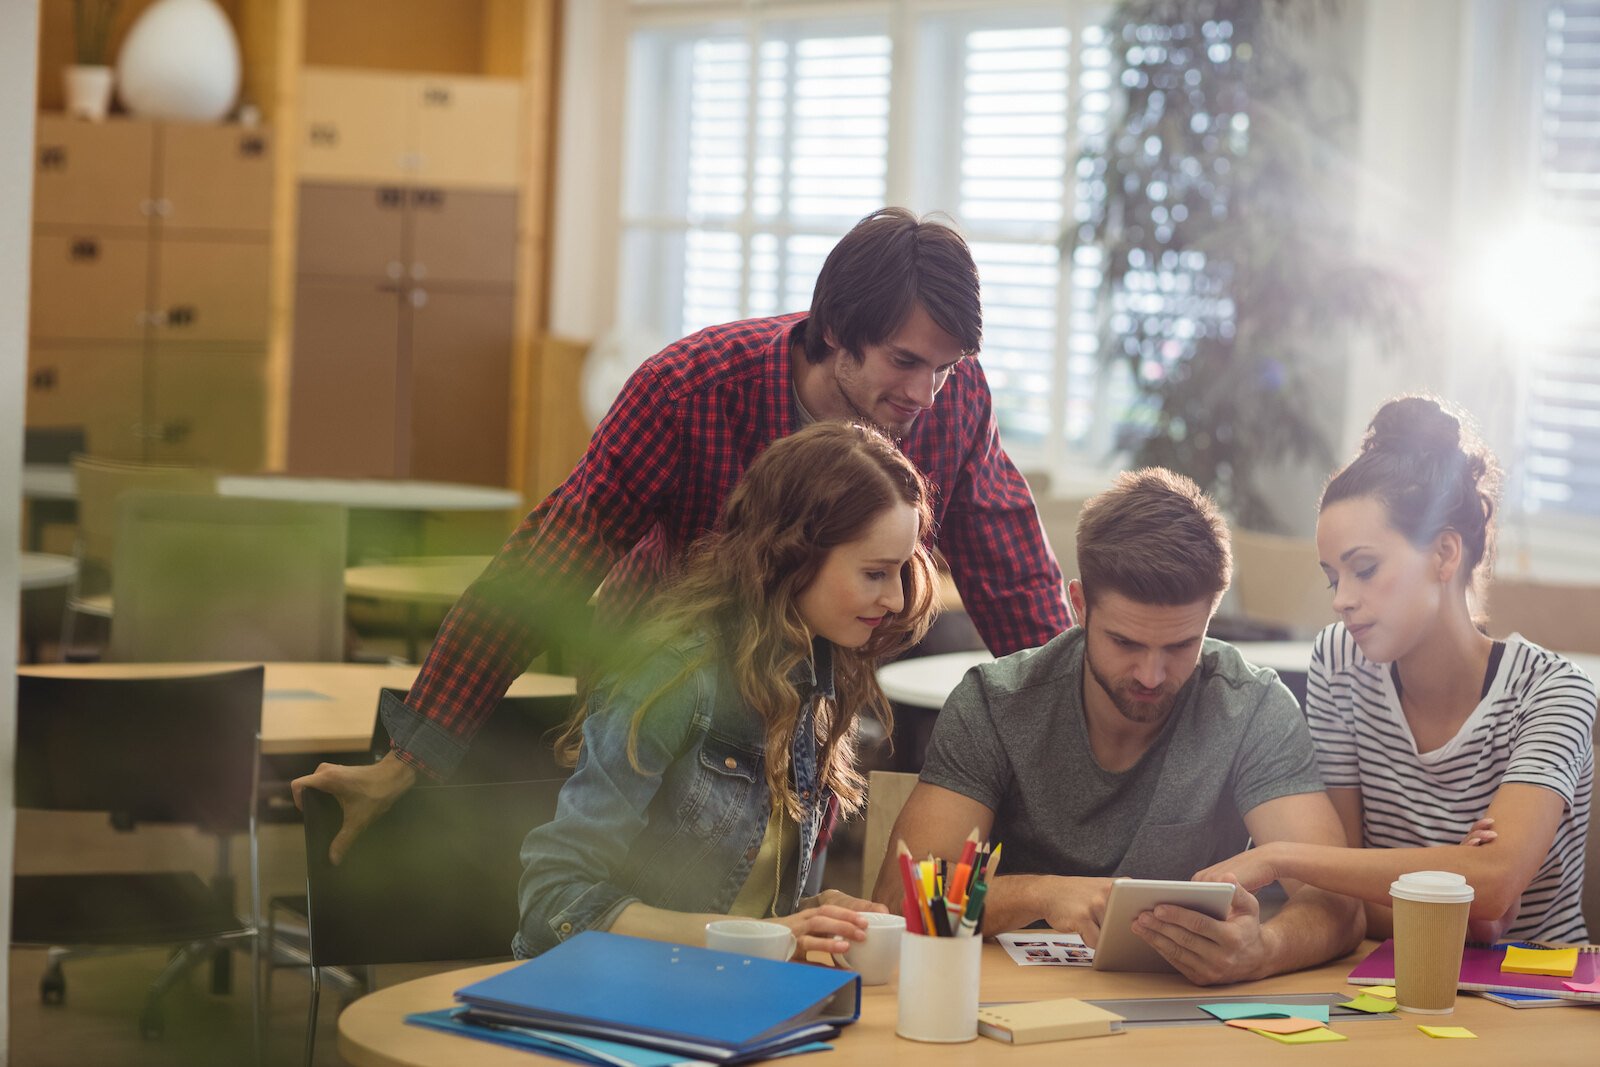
x: 1012, y: 737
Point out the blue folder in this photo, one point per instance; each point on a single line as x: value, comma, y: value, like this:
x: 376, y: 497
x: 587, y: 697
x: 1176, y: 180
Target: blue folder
x: 574, y: 1047
x: 708, y: 1005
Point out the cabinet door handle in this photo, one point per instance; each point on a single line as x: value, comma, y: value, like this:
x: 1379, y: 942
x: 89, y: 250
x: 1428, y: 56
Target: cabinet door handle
x: 52, y: 157
x: 43, y: 379
x: 390, y: 197
x: 180, y: 315
x: 84, y: 250
x: 324, y: 134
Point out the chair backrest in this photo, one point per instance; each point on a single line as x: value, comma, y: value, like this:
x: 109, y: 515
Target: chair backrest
x: 100, y: 484
x: 1278, y: 582
x: 177, y: 749
x: 1565, y: 618
x: 513, y: 745
x: 435, y: 878
x: 886, y: 795
x: 1059, y: 517
x: 203, y: 578
x: 55, y: 445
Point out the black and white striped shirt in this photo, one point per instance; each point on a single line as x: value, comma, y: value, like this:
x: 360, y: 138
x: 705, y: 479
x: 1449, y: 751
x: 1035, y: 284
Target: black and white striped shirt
x: 1535, y: 724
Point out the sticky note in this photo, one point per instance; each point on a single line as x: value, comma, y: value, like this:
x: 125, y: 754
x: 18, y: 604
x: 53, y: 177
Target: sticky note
x: 1384, y: 991
x: 1276, y: 1026
x: 1447, y: 1031
x: 1319, y: 1012
x: 1556, y: 962
x: 1584, y: 987
x: 1305, y: 1037
x: 1369, y: 1004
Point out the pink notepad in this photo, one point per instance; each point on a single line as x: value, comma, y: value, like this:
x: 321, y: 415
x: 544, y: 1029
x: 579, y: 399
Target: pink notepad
x: 1480, y: 969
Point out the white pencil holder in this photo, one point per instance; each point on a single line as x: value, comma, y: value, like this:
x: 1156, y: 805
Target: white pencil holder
x: 939, y: 987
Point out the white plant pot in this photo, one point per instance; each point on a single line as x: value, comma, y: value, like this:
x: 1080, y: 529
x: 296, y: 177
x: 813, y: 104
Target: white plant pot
x: 88, y: 91
x: 180, y: 61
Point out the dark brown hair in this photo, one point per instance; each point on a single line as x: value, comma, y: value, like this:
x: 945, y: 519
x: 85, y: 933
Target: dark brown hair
x: 805, y: 495
x: 889, y: 261
x: 1154, y: 538
x: 1431, y: 474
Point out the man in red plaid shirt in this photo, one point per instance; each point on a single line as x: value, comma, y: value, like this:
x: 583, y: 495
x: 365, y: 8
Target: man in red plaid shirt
x: 895, y: 322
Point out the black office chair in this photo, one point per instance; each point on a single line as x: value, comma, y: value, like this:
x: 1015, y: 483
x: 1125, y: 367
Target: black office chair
x: 176, y: 749
x: 434, y: 879
x: 513, y: 746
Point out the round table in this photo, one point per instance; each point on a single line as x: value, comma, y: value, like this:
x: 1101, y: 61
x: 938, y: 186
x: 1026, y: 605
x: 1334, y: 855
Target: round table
x: 427, y: 581
x: 41, y: 570
x: 373, y: 1031
x: 56, y: 482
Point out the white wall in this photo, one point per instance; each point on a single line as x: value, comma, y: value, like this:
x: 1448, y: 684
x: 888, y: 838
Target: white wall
x: 19, y: 32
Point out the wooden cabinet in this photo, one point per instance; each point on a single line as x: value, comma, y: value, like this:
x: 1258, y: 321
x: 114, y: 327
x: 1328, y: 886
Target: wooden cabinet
x: 403, y: 338
x: 375, y: 127
x: 149, y: 235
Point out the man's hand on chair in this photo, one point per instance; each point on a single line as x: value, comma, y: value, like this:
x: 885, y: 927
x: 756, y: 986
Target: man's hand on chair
x: 365, y: 792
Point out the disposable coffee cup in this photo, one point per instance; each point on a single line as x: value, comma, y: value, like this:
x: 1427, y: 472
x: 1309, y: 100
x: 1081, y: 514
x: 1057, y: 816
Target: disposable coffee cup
x: 1430, y: 930
x: 878, y: 957
x: 751, y: 937
x: 939, y: 988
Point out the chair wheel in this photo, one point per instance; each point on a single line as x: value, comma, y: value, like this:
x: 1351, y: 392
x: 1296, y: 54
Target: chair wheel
x: 53, y: 987
x: 151, y: 1024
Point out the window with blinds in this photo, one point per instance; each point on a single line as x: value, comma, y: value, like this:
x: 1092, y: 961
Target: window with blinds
x: 750, y: 152
x: 1560, y: 469
x: 783, y: 144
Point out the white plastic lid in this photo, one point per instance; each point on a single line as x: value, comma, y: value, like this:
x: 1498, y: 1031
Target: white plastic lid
x: 1431, y: 887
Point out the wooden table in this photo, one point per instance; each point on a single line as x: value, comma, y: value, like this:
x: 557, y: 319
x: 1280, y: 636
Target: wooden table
x: 309, y: 707
x: 417, y: 583
x: 372, y: 1034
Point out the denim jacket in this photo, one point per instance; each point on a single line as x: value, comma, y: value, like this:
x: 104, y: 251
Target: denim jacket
x: 682, y: 835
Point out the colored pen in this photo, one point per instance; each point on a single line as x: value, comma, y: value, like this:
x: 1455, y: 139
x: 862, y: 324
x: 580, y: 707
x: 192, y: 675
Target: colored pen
x: 974, y: 913
x: 910, y: 907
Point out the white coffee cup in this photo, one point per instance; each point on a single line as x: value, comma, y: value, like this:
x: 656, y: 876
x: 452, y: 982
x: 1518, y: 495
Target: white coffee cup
x: 750, y: 937
x: 878, y: 957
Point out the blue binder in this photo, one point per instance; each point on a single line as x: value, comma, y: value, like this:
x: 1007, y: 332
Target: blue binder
x: 717, y: 1006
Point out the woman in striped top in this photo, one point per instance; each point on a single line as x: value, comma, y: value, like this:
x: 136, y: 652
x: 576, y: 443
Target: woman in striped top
x: 1441, y: 748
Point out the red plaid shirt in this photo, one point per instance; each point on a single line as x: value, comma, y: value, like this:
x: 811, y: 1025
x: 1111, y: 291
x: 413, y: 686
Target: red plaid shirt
x: 657, y: 471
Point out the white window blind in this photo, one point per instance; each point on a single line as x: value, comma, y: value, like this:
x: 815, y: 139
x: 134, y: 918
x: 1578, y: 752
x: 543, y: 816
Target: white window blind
x: 755, y: 142
x: 784, y: 145
x: 1561, y: 424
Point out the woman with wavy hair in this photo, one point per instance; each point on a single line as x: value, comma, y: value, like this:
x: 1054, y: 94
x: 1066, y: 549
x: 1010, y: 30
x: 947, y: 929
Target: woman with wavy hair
x: 706, y: 760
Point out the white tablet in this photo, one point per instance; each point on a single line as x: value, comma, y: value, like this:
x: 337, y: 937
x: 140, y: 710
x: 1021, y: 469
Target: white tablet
x: 1120, y: 949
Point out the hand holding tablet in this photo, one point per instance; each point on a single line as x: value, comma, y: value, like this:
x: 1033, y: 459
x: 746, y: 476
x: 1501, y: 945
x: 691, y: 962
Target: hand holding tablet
x: 1120, y: 949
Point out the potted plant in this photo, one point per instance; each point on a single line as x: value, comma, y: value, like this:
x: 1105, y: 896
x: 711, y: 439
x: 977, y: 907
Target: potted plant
x: 1222, y: 209
x: 88, y: 81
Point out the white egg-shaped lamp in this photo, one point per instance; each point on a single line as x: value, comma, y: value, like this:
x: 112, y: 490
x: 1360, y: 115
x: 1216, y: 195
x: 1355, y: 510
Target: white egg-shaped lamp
x: 180, y: 61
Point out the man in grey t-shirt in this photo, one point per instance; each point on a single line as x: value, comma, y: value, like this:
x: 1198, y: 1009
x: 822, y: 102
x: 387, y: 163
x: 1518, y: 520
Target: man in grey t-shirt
x: 1132, y: 745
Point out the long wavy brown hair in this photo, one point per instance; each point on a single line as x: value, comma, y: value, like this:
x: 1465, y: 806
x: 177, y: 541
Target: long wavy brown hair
x: 804, y: 496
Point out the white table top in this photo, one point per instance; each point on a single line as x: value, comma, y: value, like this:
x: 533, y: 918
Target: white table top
x: 40, y: 570
x: 926, y: 681
x: 54, y: 482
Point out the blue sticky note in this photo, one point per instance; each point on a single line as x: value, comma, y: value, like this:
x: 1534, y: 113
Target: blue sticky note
x: 1319, y: 1012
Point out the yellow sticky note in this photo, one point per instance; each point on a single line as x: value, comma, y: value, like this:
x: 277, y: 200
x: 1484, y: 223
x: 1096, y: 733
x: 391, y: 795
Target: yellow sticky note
x: 1276, y: 1026
x: 1384, y: 991
x: 1369, y: 1003
x: 1556, y: 962
x: 1305, y: 1037
x: 1447, y: 1031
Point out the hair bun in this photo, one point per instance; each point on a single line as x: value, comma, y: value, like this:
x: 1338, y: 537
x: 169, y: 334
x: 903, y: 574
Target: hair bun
x: 1413, y: 424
